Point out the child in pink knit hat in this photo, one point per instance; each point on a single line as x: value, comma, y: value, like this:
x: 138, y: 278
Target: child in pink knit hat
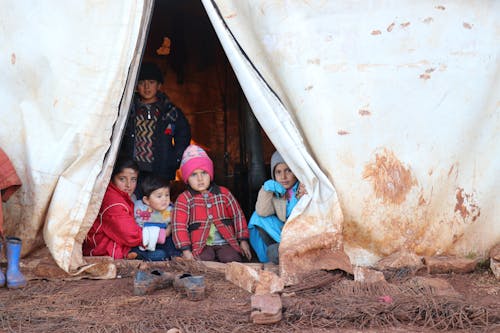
x: 208, y: 223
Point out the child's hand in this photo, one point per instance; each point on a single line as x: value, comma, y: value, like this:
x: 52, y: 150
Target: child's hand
x: 275, y: 187
x: 187, y: 254
x: 168, y: 232
x: 245, y: 247
x: 301, y: 190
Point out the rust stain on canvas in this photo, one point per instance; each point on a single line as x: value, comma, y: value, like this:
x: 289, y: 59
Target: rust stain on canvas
x: 364, y: 112
x: 467, y: 205
x: 391, y: 180
x: 421, y: 200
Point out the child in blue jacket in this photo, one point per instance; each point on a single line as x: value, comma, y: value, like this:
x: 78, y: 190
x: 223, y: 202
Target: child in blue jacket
x: 275, y: 202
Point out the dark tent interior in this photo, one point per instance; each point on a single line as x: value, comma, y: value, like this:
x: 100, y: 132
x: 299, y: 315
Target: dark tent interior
x: 200, y: 81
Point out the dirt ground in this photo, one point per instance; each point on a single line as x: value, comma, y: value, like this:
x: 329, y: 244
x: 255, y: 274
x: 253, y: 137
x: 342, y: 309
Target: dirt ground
x: 324, y: 302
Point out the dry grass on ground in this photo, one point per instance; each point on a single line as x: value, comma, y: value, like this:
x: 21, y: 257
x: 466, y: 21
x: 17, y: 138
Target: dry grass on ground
x: 325, y: 302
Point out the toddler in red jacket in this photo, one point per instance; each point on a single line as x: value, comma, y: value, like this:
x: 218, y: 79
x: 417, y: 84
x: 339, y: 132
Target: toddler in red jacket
x: 208, y: 223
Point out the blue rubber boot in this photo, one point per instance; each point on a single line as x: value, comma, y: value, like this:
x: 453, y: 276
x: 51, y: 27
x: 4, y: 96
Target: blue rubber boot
x: 2, y: 276
x: 15, y: 279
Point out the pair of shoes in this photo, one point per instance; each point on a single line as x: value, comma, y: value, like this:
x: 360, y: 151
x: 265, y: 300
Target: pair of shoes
x: 14, y: 278
x: 148, y: 281
x: 191, y: 286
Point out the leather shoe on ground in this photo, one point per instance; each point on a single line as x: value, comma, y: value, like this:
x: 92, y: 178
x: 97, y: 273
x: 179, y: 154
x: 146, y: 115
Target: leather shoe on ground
x: 191, y: 286
x: 148, y: 281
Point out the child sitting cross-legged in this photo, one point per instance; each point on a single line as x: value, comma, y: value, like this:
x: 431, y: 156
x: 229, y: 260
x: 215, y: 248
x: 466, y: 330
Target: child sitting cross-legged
x: 153, y: 214
x: 207, y: 220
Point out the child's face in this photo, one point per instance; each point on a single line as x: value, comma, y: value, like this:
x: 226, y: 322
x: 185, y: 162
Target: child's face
x: 147, y: 89
x: 284, y: 176
x: 126, y: 180
x: 158, y: 199
x: 199, y: 180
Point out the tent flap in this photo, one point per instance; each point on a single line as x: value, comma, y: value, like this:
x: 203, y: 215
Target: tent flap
x: 388, y: 111
x: 61, y: 91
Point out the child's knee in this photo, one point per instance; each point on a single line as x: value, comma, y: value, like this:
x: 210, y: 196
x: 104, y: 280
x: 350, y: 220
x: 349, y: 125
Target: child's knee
x: 228, y: 254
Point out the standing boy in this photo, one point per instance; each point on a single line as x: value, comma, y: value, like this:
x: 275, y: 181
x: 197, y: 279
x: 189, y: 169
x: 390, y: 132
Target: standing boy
x: 157, y: 131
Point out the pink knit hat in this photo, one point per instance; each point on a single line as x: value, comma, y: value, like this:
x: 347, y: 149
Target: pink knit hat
x: 195, y: 157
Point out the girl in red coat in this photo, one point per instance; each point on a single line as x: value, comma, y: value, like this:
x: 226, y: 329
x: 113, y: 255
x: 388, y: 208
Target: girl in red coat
x: 115, y: 231
x: 208, y: 223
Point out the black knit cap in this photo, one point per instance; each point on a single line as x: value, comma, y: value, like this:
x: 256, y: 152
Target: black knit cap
x: 150, y: 71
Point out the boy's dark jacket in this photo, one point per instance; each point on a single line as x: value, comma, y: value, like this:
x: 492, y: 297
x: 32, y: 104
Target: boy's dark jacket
x: 167, y: 157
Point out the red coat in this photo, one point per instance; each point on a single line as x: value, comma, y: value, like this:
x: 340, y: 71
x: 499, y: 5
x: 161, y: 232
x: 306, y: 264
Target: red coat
x: 194, y: 214
x: 114, y: 231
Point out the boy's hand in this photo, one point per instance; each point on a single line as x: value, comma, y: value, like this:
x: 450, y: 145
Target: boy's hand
x: 245, y: 247
x: 187, y: 254
x: 275, y: 187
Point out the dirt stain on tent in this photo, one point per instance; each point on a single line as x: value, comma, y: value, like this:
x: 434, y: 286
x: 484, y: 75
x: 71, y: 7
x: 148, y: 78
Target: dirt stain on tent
x: 364, y: 112
x: 391, y: 180
x: 467, y: 25
x: 467, y: 205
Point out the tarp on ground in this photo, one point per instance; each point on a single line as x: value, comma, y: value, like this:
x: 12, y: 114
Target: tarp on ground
x: 388, y: 111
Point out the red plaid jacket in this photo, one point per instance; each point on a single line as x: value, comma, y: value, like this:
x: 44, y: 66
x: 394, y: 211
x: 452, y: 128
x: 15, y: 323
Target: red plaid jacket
x: 195, y: 212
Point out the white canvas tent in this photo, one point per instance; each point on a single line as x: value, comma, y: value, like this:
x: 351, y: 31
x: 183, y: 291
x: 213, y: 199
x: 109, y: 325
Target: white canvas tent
x: 388, y: 111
